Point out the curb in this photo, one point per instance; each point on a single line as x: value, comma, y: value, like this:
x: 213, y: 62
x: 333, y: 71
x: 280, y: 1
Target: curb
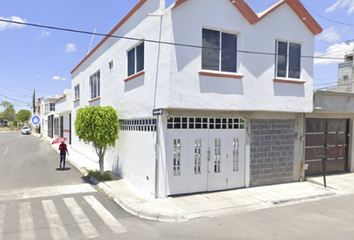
x: 130, y: 208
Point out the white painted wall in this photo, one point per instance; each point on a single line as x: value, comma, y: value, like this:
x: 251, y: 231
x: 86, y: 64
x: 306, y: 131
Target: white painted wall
x: 256, y: 91
x: 133, y: 161
x: 171, y: 79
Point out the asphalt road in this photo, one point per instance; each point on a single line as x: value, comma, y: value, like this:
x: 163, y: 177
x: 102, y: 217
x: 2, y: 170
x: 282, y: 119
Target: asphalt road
x: 39, y: 201
x: 27, y: 162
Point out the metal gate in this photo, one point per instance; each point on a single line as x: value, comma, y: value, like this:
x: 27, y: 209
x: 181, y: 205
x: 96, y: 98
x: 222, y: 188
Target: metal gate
x: 326, y: 139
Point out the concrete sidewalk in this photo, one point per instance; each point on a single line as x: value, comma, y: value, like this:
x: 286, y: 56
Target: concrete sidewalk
x: 187, y: 207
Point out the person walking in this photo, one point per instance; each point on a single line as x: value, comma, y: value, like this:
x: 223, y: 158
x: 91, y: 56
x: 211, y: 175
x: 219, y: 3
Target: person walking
x: 63, y: 151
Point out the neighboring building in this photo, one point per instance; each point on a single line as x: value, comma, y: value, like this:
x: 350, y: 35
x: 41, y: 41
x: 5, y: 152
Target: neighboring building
x: 233, y: 112
x: 38, y: 112
x: 345, y: 75
x: 329, y: 133
x: 62, y: 120
x: 47, y: 115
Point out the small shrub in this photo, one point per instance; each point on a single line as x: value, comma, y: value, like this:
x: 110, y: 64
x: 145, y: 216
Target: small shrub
x: 101, y: 178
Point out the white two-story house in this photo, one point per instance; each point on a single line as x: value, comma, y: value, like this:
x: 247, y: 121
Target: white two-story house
x: 232, y: 87
x: 62, y: 119
x: 46, y: 114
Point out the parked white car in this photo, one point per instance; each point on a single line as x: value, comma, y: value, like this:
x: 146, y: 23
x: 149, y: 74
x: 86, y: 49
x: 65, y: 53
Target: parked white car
x: 26, y: 130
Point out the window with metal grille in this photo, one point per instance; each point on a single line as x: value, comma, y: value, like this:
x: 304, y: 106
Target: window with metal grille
x: 217, y: 155
x: 141, y: 125
x: 235, y: 145
x: 176, y: 157
x: 197, y: 155
x: 205, y: 123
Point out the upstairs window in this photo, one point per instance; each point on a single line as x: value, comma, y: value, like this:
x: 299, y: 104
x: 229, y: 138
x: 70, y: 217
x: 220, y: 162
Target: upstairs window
x: 219, y: 51
x: 52, y: 107
x: 77, y: 91
x: 136, y: 59
x: 288, y: 59
x: 95, y: 85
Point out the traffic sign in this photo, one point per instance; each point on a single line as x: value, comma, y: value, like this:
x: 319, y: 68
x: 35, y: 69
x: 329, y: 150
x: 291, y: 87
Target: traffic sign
x: 35, y: 120
x: 157, y: 111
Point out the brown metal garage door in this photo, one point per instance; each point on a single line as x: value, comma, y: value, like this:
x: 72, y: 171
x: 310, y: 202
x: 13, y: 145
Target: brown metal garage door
x: 326, y: 138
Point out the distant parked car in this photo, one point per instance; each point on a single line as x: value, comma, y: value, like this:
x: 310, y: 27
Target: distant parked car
x: 26, y: 130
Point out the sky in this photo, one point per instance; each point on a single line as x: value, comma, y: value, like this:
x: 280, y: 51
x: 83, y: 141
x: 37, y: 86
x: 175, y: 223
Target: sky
x: 41, y: 59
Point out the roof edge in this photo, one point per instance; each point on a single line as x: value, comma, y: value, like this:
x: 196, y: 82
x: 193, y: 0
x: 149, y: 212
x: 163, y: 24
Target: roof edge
x: 305, y: 16
x: 253, y: 18
x: 126, y: 18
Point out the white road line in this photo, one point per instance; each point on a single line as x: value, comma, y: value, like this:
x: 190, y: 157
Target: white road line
x: 84, y: 223
x: 6, y: 150
x: 45, y: 192
x: 57, y: 229
x: 26, y: 221
x: 106, y: 216
x: 2, y: 220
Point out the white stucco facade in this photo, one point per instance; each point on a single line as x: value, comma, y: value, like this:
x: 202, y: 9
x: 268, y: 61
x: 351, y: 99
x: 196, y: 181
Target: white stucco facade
x: 63, y: 108
x: 173, y: 79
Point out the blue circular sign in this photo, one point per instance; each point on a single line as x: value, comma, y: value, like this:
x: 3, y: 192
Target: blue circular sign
x: 35, y: 120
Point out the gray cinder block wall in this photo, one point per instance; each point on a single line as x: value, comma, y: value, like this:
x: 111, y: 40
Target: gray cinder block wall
x: 272, y: 151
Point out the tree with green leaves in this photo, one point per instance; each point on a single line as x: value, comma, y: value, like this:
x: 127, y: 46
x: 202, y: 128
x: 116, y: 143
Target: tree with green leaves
x: 34, y: 101
x: 24, y: 115
x: 99, y: 126
x: 9, y: 113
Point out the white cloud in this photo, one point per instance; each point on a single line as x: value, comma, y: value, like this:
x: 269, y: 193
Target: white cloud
x: 330, y: 35
x: 70, y: 47
x: 333, y: 54
x: 43, y: 34
x: 58, y: 78
x: 333, y: 7
x: 7, y: 25
x: 347, y: 4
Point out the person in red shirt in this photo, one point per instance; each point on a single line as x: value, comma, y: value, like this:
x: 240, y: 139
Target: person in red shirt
x: 63, y: 151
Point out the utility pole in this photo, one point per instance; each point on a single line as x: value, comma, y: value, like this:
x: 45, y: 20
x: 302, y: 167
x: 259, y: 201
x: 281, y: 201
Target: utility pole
x: 350, y: 88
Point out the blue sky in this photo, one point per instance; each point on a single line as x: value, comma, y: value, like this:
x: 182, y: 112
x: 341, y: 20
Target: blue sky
x: 42, y: 59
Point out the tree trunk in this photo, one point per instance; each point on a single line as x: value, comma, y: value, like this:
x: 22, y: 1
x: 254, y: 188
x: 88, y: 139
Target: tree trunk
x: 101, y: 152
x: 101, y: 161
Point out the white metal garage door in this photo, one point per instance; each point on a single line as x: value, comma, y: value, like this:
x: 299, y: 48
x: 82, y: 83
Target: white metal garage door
x: 205, y: 154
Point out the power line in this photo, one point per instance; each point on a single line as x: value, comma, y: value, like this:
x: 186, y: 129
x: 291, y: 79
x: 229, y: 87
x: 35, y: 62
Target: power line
x: 146, y: 40
x: 25, y: 89
x: 330, y: 20
x: 13, y: 99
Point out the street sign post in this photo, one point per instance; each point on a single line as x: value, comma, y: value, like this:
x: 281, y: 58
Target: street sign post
x: 35, y: 120
x: 157, y: 111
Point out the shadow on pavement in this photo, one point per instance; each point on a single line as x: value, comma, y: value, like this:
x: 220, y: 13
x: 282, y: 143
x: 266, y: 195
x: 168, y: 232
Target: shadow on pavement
x: 63, y: 169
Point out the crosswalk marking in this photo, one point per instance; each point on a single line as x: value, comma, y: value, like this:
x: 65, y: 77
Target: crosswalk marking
x: 26, y: 221
x: 105, y: 215
x: 57, y: 230
x: 45, y: 192
x: 2, y: 220
x: 27, y: 225
x: 84, y: 223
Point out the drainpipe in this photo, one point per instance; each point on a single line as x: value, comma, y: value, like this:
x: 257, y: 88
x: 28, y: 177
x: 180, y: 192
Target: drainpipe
x: 162, y: 10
